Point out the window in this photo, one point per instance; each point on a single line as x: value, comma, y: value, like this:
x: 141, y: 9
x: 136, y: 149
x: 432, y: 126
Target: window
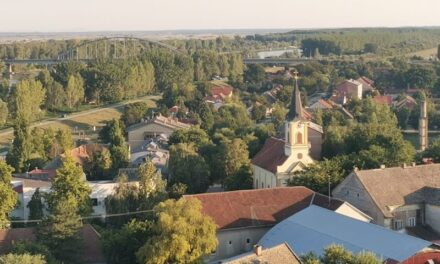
x: 411, y: 221
x: 358, y: 195
x: 256, y: 184
x: 94, y: 201
x: 262, y: 185
x: 230, y: 242
x: 299, y: 138
x: 248, y: 240
x: 398, y: 224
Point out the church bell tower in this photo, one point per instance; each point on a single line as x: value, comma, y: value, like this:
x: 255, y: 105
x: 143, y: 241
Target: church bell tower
x: 296, y: 127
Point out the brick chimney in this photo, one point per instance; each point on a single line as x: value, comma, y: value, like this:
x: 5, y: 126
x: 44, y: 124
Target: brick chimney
x: 258, y: 250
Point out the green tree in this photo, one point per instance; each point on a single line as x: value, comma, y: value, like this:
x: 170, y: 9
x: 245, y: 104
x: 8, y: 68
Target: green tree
x: 188, y: 167
x: 182, y: 234
x: 232, y: 156
x: 98, y: 165
x: 433, y: 151
x: 130, y: 237
x: 150, y: 180
x: 317, y: 175
x: 240, y: 180
x: 254, y: 73
x: 233, y: 116
x: 337, y: 254
x: 22, y: 259
x: 134, y: 113
x: 74, y: 91
x: 3, y: 113
x: 112, y: 133
x: 60, y: 230
x: 26, y: 99
x: 33, y: 248
x: 20, y: 152
x: 7, y: 195
x: 55, y: 96
x: 119, y: 156
x: 36, y: 206
x: 64, y: 140
x: 70, y: 184
x: 194, y: 135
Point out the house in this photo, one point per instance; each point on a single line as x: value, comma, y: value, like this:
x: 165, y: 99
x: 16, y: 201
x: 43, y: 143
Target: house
x: 223, y: 91
x: 322, y: 104
x: 275, y: 163
x: 271, y: 95
x: 383, y: 100
x: 91, y: 252
x: 26, y: 188
x: 367, y: 84
x: 407, y: 102
x: 346, y: 91
x: 154, y: 127
x: 243, y: 217
x: 281, y: 253
x: 40, y: 174
x: 79, y: 154
x: 315, y: 228
x: 397, y: 198
x: 218, y: 95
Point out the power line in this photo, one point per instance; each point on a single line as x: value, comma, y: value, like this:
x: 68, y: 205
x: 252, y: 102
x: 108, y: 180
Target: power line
x: 87, y: 217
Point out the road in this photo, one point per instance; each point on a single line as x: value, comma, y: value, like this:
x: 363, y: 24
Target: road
x: 45, y: 122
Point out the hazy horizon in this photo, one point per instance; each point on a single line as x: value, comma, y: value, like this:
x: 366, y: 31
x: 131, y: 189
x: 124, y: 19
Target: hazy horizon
x: 174, y: 15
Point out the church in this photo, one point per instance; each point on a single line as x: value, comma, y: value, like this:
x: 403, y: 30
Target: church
x: 275, y: 163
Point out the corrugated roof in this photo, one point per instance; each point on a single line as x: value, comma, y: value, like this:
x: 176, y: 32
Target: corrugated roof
x: 314, y: 228
x: 261, y: 207
x: 404, y: 185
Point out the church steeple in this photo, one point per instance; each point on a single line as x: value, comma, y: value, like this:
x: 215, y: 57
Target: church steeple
x: 296, y: 109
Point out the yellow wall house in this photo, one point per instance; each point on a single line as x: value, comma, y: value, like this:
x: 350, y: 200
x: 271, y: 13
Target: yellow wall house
x: 278, y: 159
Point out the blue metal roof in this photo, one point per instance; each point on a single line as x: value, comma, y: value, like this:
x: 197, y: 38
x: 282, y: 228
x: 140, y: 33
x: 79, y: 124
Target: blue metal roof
x: 315, y: 228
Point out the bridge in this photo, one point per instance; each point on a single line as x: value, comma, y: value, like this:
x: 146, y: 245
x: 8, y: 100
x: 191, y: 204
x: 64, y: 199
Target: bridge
x: 279, y: 61
x: 117, y: 47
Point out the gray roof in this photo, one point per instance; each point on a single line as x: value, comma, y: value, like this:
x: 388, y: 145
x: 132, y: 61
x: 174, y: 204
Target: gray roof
x: 389, y: 187
x: 315, y: 228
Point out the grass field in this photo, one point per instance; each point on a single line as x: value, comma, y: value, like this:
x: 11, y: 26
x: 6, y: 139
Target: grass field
x: 414, y: 138
x: 423, y: 53
x: 79, y: 122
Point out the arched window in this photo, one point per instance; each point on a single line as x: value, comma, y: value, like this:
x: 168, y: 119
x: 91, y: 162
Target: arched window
x: 299, y: 138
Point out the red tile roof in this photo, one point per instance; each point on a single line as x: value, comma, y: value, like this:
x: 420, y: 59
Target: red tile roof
x: 424, y: 257
x: 222, y: 91
x: 38, y: 173
x: 271, y: 155
x: 261, y: 207
x: 92, y: 252
x: 383, y: 99
x: 8, y: 236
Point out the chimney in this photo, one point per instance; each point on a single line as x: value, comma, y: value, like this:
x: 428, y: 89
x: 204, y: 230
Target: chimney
x: 404, y: 165
x: 355, y: 168
x: 258, y: 250
x: 413, y: 164
x: 382, y: 166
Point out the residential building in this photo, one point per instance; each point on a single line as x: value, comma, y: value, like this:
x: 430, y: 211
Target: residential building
x: 91, y: 252
x: 276, y: 162
x: 346, y: 91
x: 315, y: 228
x: 275, y: 255
x: 26, y: 188
x: 407, y: 102
x: 153, y: 128
x: 396, y: 198
x: 383, y: 100
x: 367, y: 84
x: 243, y: 217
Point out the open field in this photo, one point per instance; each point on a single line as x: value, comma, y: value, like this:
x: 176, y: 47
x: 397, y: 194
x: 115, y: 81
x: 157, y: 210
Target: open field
x: 423, y: 53
x: 80, y: 122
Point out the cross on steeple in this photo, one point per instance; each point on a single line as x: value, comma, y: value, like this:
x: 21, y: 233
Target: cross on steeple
x: 296, y: 109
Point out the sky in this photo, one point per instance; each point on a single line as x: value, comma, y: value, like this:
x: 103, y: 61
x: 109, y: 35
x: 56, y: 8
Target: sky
x: 134, y: 15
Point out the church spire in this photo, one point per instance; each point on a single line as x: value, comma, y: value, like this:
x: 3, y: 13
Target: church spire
x: 296, y: 109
